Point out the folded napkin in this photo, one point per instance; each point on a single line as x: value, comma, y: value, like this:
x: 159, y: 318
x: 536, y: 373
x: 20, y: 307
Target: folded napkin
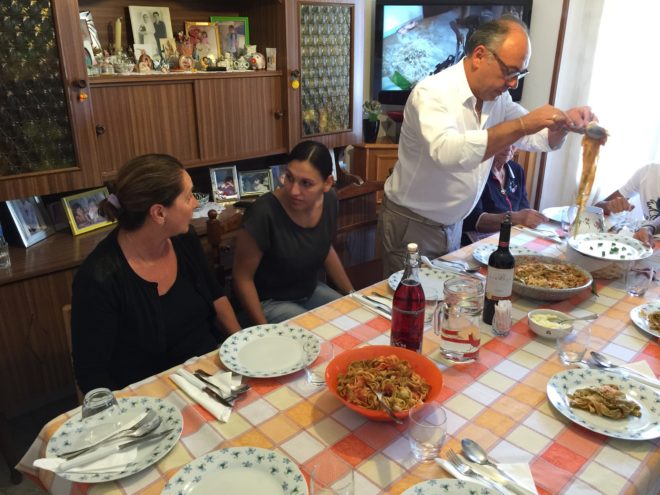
x: 518, y: 471
x: 193, y: 388
x: 225, y: 381
x: 114, y: 463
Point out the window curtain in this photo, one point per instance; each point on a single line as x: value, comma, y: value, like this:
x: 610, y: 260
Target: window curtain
x: 605, y: 64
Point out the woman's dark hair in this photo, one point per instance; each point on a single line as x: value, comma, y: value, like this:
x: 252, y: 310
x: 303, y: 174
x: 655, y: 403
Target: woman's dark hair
x: 314, y: 152
x: 492, y: 34
x: 141, y: 183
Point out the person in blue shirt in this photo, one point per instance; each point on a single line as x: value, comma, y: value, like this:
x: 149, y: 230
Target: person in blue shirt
x: 504, y: 192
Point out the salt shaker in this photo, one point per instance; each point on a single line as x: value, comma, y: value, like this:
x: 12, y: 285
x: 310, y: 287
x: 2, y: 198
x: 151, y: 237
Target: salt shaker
x: 502, y: 318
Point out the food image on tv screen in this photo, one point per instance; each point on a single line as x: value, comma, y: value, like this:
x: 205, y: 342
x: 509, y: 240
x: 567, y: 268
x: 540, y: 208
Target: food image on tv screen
x: 422, y: 40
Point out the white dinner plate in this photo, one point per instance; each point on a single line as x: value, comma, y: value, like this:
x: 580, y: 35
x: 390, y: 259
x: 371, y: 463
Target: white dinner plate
x: 555, y: 213
x: 483, y: 252
x: 447, y: 486
x: 274, y: 349
x: 606, y: 246
x: 646, y: 427
x: 76, y: 433
x: 432, y: 279
x: 238, y: 470
x: 639, y: 316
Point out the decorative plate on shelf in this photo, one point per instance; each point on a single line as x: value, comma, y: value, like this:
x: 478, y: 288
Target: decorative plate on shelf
x: 77, y: 433
x: 606, y: 246
x: 483, y: 252
x: 268, y: 350
x: 445, y: 486
x: 640, y: 316
x: 238, y: 470
x: 646, y: 427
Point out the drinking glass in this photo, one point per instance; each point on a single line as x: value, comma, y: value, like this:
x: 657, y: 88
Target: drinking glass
x: 98, y: 400
x: 573, y: 345
x: 638, y: 278
x: 332, y: 476
x: 102, y: 404
x: 315, y: 372
x: 427, y: 431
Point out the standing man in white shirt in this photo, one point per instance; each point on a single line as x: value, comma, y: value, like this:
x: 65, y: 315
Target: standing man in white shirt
x: 454, y: 122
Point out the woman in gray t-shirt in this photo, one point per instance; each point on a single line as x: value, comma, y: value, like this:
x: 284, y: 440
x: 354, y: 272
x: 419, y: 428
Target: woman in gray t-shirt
x: 286, y: 238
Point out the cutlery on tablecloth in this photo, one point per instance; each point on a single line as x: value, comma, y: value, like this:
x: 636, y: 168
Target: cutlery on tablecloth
x: 234, y: 390
x: 546, y: 234
x: 376, y: 307
x: 603, y: 363
x: 194, y: 388
x: 466, y: 470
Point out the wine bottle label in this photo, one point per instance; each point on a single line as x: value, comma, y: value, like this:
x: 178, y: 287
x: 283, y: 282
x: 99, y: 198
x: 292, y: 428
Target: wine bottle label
x: 499, y: 283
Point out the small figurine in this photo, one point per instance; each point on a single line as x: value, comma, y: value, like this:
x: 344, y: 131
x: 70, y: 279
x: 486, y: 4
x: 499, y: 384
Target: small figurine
x: 257, y: 61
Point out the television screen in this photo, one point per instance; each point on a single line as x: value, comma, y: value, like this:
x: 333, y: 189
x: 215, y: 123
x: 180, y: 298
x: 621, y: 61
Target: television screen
x: 414, y: 39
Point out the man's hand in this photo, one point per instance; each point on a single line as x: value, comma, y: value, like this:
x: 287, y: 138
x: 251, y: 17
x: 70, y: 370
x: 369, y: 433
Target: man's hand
x: 617, y: 205
x: 645, y: 236
x: 528, y: 218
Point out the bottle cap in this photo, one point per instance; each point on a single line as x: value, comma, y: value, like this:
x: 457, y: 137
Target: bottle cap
x: 412, y: 247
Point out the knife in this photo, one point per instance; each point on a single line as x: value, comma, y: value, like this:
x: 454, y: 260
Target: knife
x: 379, y: 309
x: 196, y: 382
x: 102, y: 452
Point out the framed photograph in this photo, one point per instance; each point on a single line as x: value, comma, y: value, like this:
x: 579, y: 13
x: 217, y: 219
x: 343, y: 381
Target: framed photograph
x: 82, y: 210
x: 57, y: 215
x: 30, y: 219
x: 277, y: 176
x: 224, y: 184
x: 150, y: 25
x: 204, y: 38
x: 234, y: 34
x: 254, y: 182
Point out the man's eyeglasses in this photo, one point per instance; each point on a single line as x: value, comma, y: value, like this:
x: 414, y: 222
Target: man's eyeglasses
x: 509, y: 73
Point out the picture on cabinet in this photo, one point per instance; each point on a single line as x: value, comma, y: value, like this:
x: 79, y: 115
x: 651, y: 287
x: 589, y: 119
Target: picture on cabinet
x: 204, y: 38
x: 277, y: 176
x: 149, y: 26
x: 145, y: 62
x: 30, y: 219
x: 224, y: 184
x: 254, y: 182
x: 82, y: 210
x: 234, y: 34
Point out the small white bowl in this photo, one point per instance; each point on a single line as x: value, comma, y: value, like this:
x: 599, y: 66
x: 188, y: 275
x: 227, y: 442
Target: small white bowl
x: 547, y: 329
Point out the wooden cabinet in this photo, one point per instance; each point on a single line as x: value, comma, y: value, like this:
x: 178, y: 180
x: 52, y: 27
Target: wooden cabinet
x: 374, y: 162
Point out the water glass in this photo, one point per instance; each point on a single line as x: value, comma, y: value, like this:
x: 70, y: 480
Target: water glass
x: 638, y: 278
x: 315, y: 371
x: 427, y: 431
x: 573, y: 345
x: 97, y: 400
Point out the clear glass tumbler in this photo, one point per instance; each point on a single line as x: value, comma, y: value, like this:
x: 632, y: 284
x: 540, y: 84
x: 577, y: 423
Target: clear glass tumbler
x: 97, y: 400
x: 427, y: 431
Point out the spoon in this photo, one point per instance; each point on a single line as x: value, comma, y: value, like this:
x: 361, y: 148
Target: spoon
x: 557, y: 319
x: 592, y: 130
x: 473, y: 451
x: 602, y: 362
x: 148, y: 424
x: 379, y: 396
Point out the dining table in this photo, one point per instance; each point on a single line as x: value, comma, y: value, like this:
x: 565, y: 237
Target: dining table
x: 500, y: 400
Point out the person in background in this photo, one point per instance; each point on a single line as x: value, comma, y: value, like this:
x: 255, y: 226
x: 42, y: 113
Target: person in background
x: 504, y: 192
x: 160, y: 30
x: 454, y: 123
x: 145, y: 299
x: 80, y: 215
x: 286, y: 238
x: 645, y: 183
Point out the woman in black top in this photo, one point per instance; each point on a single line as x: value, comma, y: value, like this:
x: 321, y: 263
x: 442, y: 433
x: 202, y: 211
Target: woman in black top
x: 286, y: 238
x: 145, y: 300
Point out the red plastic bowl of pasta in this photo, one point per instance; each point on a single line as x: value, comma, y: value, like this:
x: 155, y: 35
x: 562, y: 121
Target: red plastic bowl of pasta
x: 423, y: 366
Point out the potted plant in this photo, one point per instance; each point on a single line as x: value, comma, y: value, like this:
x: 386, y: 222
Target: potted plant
x: 371, y: 123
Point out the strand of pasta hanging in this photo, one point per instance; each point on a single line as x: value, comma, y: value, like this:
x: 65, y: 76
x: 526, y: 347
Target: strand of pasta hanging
x: 590, y: 150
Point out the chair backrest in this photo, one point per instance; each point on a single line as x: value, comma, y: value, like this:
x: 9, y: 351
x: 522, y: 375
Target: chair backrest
x: 66, y: 317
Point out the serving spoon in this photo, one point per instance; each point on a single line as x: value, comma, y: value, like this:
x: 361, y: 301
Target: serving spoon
x: 557, y: 319
x: 602, y: 362
x: 592, y: 130
x: 473, y: 451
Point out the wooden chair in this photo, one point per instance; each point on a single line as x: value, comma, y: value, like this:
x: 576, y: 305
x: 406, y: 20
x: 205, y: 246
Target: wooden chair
x: 220, y: 249
x: 66, y: 316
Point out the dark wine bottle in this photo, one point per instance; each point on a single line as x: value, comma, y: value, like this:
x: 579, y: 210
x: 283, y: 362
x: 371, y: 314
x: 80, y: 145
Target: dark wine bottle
x: 501, y: 263
x: 408, y: 306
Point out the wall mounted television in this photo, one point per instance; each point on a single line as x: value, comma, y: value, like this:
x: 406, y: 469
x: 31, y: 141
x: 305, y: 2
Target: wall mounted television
x: 416, y: 38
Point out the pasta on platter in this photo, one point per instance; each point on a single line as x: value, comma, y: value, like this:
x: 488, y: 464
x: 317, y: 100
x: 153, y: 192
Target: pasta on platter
x: 549, y: 275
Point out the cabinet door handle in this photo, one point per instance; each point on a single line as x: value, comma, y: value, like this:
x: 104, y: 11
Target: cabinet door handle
x: 100, y: 129
x: 80, y: 84
x: 279, y: 114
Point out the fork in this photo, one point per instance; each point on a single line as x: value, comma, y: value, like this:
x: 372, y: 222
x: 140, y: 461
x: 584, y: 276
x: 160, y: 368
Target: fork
x: 466, y: 470
x: 379, y: 396
x: 235, y: 391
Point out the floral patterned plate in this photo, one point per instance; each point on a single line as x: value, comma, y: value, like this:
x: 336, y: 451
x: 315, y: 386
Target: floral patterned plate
x: 240, y: 470
x: 75, y: 433
x: 433, y: 281
x: 646, y: 427
x: 448, y: 485
x: 269, y: 350
x: 639, y: 316
x: 606, y: 246
x: 483, y: 252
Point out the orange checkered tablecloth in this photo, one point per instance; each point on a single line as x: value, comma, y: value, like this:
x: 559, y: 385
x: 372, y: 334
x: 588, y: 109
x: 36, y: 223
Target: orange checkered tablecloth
x: 499, y: 401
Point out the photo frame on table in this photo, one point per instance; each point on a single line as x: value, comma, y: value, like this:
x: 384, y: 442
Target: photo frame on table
x: 224, y: 184
x: 234, y: 34
x: 254, y: 182
x: 277, y: 176
x: 149, y: 25
x: 82, y: 210
x: 30, y: 219
x: 204, y: 38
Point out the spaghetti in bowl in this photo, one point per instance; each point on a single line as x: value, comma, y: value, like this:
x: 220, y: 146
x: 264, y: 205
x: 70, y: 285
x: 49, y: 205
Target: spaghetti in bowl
x: 548, y: 279
x: 407, y: 379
